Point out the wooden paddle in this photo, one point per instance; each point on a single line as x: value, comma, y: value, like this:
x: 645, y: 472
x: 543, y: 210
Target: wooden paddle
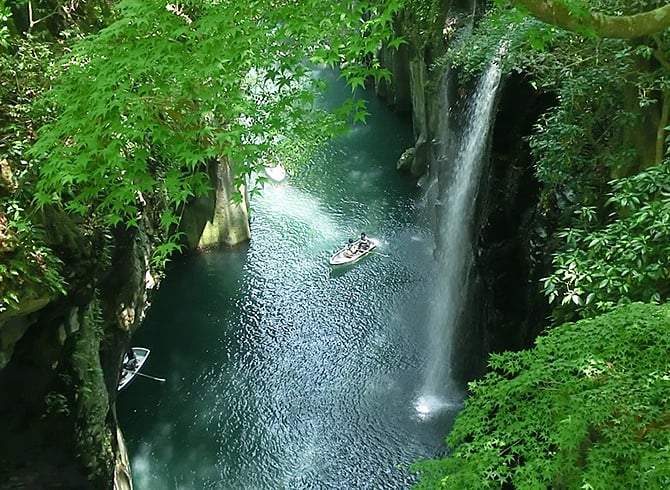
x: 160, y: 380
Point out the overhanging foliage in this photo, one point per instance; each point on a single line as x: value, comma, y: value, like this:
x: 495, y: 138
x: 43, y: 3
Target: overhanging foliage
x: 140, y: 107
x: 586, y: 408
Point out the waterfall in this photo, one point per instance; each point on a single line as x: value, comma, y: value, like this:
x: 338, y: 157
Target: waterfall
x: 460, y: 152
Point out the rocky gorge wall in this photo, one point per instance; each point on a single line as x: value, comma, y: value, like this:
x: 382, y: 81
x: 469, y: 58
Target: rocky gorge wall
x: 60, y: 380
x: 60, y: 356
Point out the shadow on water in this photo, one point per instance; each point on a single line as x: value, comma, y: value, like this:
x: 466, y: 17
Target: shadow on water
x: 284, y: 372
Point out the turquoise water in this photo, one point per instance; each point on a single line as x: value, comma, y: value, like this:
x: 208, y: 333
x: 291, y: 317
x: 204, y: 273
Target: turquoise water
x: 282, y: 371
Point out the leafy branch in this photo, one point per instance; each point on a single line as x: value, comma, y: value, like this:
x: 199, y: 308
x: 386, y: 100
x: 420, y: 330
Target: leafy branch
x: 144, y: 105
x: 622, y: 261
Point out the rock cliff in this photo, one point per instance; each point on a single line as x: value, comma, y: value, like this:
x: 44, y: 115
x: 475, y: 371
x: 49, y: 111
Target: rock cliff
x: 60, y: 356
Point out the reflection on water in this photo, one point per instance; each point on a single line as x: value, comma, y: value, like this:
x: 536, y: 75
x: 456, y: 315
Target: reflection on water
x: 284, y: 373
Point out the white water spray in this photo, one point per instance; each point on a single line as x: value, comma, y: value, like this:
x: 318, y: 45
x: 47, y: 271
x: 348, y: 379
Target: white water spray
x: 455, y: 255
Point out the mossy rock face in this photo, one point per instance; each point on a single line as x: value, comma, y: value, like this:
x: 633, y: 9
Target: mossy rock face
x: 83, y: 245
x: 59, y: 427
x: 15, y: 323
x: 217, y: 219
x: 93, y: 436
x: 56, y: 428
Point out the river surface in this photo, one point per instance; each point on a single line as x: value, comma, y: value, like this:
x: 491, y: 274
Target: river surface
x: 282, y: 371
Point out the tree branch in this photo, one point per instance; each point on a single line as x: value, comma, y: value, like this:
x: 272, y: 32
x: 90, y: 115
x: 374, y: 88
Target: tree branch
x: 33, y: 23
x: 611, y: 26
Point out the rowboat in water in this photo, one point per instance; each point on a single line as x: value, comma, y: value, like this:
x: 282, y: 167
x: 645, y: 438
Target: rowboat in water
x: 276, y: 173
x: 129, y: 370
x: 353, y: 251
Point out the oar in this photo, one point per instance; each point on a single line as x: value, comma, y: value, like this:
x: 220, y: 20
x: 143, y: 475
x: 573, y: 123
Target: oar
x: 160, y: 380
x: 379, y: 253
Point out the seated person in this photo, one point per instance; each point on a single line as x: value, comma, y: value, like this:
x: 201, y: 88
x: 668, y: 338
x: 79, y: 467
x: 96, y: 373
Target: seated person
x: 363, y: 243
x: 131, y: 361
x: 352, y: 248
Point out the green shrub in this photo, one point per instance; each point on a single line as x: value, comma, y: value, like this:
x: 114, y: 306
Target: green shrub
x: 626, y: 259
x: 586, y: 408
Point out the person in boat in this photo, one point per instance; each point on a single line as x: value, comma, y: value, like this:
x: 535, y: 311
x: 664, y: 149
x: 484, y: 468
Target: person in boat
x: 131, y: 361
x: 363, y: 242
x: 351, y: 248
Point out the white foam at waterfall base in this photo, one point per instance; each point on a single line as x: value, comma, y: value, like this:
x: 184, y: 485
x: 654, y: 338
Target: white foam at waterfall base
x: 428, y: 406
x: 455, y: 258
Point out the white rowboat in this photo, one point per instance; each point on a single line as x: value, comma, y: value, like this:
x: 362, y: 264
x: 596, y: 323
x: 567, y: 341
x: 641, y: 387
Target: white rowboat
x: 127, y: 375
x: 276, y: 173
x: 345, y: 256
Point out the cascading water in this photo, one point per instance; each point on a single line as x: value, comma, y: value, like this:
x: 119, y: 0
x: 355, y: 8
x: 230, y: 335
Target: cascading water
x: 462, y: 153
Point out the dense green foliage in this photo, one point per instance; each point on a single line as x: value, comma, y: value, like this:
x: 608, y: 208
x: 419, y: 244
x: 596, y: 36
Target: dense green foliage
x: 5, y: 13
x: 145, y: 103
x: 28, y: 268
x: 586, y: 408
x: 609, y: 120
x: 623, y: 260
x: 134, y: 112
